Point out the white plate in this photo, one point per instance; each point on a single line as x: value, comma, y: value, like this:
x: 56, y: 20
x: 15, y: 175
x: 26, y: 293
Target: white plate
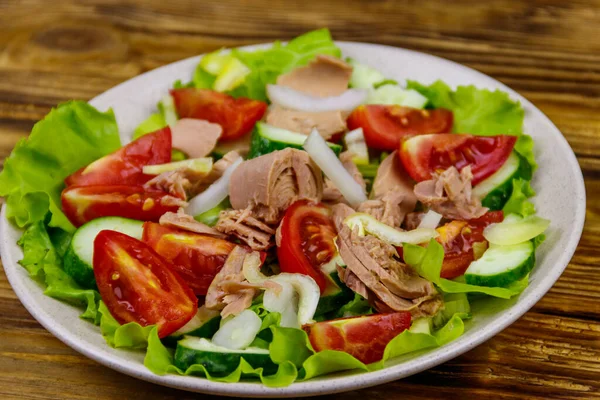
x: 561, y: 197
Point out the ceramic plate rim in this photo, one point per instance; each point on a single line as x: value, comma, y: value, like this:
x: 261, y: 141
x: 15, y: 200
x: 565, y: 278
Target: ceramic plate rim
x: 324, y: 385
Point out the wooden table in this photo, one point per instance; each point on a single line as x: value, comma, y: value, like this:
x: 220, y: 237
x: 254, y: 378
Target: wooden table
x: 547, y: 50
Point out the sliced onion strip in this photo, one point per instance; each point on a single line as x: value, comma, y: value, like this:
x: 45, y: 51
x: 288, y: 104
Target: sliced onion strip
x: 286, y: 97
x: 430, y: 220
x: 214, y: 194
x: 326, y: 159
x: 366, y: 223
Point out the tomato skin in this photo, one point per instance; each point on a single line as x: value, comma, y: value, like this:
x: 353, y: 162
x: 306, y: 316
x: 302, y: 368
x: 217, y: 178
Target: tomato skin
x: 385, y: 126
x: 196, y: 258
x: 425, y: 154
x: 363, y: 337
x: 458, y: 238
x: 237, y: 117
x: 138, y: 285
x: 124, y: 166
x: 85, y: 203
x: 307, y: 234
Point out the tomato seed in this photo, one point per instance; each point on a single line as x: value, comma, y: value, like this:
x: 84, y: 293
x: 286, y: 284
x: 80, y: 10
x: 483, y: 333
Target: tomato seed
x: 148, y: 204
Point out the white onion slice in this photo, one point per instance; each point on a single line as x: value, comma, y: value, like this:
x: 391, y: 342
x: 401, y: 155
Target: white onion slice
x: 325, y: 158
x: 214, y: 194
x: 368, y: 224
x: 251, y: 268
x: 238, y: 332
x: 308, y: 294
x: 514, y: 231
x: 355, y: 143
x: 294, y: 100
x: 430, y: 220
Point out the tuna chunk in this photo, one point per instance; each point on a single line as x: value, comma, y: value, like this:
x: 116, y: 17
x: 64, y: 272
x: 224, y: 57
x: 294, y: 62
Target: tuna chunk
x: 449, y: 194
x: 186, y: 183
x: 181, y: 220
x: 269, y: 184
x: 195, y: 137
x: 323, y: 77
x: 229, y: 291
x: 181, y: 183
x: 390, y: 284
x: 328, y: 123
x: 331, y: 194
x: 241, y: 224
x: 388, y: 209
x: 413, y: 220
x: 339, y: 213
x: 391, y: 176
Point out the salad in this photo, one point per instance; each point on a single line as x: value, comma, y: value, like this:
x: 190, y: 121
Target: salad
x: 285, y: 214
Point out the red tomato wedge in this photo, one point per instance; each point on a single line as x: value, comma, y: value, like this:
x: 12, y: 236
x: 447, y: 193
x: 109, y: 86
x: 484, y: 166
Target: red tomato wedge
x: 362, y: 337
x: 124, y: 166
x: 424, y: 154
x: 138, y: 285
x: 237, y: 117
x: 307, y: 234
x: 85, y: 203
x: 196, y: 258
x: 458, y: 238
x: 384, y: 126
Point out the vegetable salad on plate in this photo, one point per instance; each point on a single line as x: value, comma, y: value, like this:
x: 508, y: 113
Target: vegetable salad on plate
x: 285, y: 214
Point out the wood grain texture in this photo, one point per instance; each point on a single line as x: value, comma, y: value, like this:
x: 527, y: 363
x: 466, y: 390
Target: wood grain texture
x: 547, y: 50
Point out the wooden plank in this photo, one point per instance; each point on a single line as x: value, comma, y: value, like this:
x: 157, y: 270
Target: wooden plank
x: 546, y: 50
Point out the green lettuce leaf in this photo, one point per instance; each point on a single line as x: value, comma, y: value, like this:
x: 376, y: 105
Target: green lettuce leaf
x: 44, y: 264
x: 476, y: 111
x: 151, y: 124
x: 159, y: 359
x: 329, y: 361
x: 131, y: 335
x: 203, y: 79
x: 524, y: 147
x: 355, y: 307
x: 427, y: 261
x: 518, y: 202
x: 266, y: 65
x: 291, y: 350
x: 538, y: 240
x: 71, y: 136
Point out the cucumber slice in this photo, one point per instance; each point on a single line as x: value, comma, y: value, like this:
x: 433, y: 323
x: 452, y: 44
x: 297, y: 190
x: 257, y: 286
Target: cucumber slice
x: 267, y: 139
x: 395, y: 95
x: 497, y: 188
x: 204, y: 324
x: 363, y: 76
x: 502, y: 265
x: 78, y: 261
x: 219, y: 361
x: 200, y: 165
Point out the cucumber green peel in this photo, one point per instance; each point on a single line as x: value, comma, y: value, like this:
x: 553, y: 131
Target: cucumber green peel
x: 427, y: 261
